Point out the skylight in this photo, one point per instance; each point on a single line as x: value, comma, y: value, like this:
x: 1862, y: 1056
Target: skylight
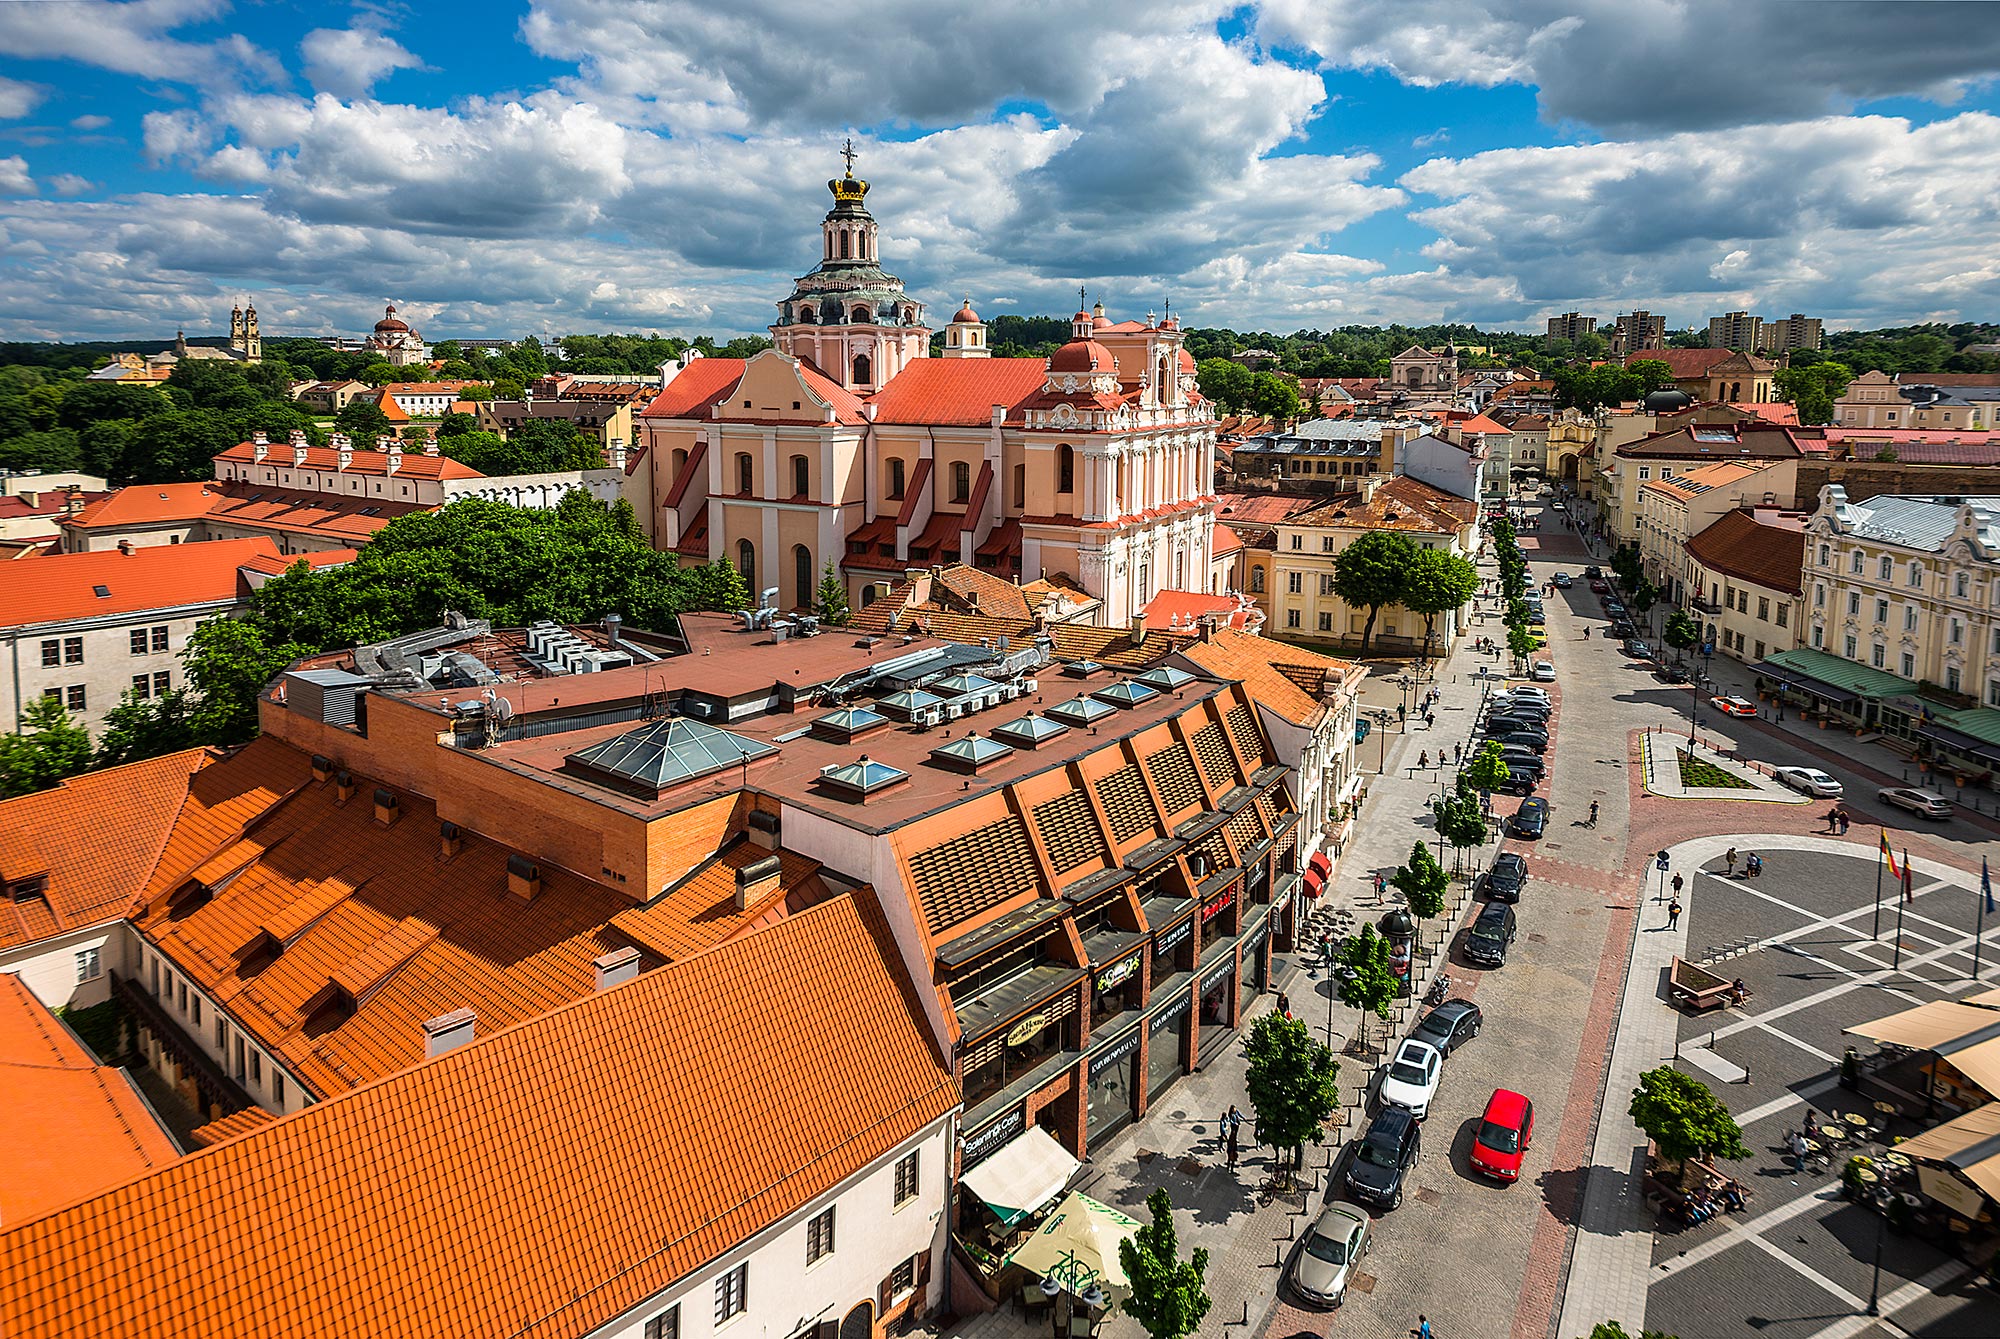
x: 862, y: 777
x: 848, y: 722
x: 669, y: 752
x: 970, y: 753
x: 1030, y: 731
x: 964, y: 685
x: 1081, y: 711
x: 1126, y: 693
x: 1166, y: 678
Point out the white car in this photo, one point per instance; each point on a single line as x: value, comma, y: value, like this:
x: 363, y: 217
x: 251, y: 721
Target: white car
x: 1810, y: 780
x: 1545, y: 672
x: 1926, y: 802
x: 1411, y: 1080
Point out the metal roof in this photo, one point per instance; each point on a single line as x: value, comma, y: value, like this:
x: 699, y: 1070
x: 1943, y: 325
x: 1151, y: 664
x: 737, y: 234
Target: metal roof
x: 668, y: 752
x: 1910, y: 522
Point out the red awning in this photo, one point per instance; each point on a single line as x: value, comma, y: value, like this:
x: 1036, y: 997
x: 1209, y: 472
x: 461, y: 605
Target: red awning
x: 1320, y: 864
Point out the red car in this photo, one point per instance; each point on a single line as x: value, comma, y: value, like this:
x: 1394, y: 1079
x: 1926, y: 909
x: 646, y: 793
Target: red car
x: 1600, y: 585
x: 1505, y: 1133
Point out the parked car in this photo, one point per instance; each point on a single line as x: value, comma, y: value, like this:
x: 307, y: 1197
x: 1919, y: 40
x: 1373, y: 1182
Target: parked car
x: 1734, y: 706
x: 1508, y: 723
x: 1593, y: 572
x: 1382, y: 1163
x: 1523, y: 775
x: 1326, y: 1259
x: 1491, y: 935
x: 1534, y: 741
x: 1600, y: 585
x: 1638, y: 650
x: 1531, y: 696
x: 1505, y: 1133
x: 1411, y: 1080
x: 1811, y: 781
x: 1612, y: 606
x: 1928, y: 803
x: 1450, y: 1025
x: 1530, y: 692
x: 1623, y: 627
x: 1544, y: 671
x: 1562, y: 580
x: 1509, y: 875
x: 1531, y: 820
x: 1670, y: 674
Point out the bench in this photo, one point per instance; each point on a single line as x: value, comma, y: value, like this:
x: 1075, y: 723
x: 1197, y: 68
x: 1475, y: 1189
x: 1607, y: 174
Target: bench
x: 1696, y: 988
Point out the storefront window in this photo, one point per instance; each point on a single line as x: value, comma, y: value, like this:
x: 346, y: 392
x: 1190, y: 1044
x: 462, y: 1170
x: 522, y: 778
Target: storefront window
x: 1215, y: 992
x: 1253, y: 973
x: 1114, y: 989
x: 1111, y: 1085
x: 1169, y: 949
x: 1169, y: 1042
x: 1000, y: 1060
x: 1215, y: 918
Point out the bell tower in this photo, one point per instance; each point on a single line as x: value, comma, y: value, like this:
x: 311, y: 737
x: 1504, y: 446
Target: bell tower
x: 236, y: 330
x: 253, y: 343
x: 965, y: 337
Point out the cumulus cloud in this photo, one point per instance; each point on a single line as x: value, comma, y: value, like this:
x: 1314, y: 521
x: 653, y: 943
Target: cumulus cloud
x: 349, y: 62
x: 69, y: 183
x: 18, y: 99
x: 14, y: 178
x: 1649, y: 68
x: 135, y: 37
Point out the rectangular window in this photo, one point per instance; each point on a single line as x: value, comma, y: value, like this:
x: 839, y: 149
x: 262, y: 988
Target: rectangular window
x: 1295, y: 582
x: 1298, y: 541
x: 1882, y: 611
x: 160, y: 638
x: 1850, y: 648
x: 906, y: 1178
x: 1909, y: 618
x: 142, y: 685
x: 1784, y: 613
x: 51, y: 653
x: 1326, y: 543
x: 1758, y: 654
x: 903, y: 1278
x: 138, y: 641
x: 197, y: 1011
x: 163, y: 682
x: 1326, y: 585
x: 1645, y: 473
x: 88, y: 965
x: 666, y: 1325
x: 1819, y: 638
x: 819, y: 1236
x: 1957, y: 633
x: 1819, y: 597
x: 221, y: 1035
x: 1951, y: 679
x: 72, y: 650
x: 1993, y: 692
x: 1763, y: 609
x: 76, y: 697
x: 278, y: 1086
x: 1909, y: 666
x: 1878, y: 657
x: 256, y: 1065
x: 1291, y: 618
x: 732, y: 1293
x: 1326, y: 622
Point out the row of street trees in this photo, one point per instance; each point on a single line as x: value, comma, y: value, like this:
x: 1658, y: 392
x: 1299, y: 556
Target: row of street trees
x: 1383, y: 568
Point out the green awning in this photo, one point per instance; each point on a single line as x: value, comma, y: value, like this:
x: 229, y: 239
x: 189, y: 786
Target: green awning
x: 1864, y: 681
x: 1023, y: 1176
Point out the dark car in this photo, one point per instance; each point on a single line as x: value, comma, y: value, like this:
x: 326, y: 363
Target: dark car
x: 1534, y: 741
x: 1450, y: 1025
x: 1623, y: 627
x: 1533, y: 707
x: 1612, y: 606
x: 1491, y: 935
x: 1532, y: 818
x: 1382, y: 1163
x: 1670, y: 674
x: 1501, y: 726
x: 1593, y: 571
x: 1523, y: 775
x: 1509, y: 875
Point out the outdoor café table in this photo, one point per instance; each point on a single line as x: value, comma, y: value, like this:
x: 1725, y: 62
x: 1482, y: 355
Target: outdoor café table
x: 1886, y: 1108
x: 1895, y: 1159
x: 1856, y: 1119
x: 1866, y: 1176
x: 1832, y: 1133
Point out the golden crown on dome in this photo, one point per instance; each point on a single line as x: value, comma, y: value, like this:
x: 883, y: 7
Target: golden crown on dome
x: 848, y: 186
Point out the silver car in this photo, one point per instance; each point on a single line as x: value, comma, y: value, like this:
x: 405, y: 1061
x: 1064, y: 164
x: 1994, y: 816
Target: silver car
x: 1926, y: 802
x: 1810, y: 781
x: 1326, y: 1259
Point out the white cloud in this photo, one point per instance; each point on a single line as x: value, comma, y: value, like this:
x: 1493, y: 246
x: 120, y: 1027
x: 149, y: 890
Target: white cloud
x: 14, y: 178
x: 18, y: 99
x: 90, y: 122
x: 69, y: 183
x: 134, y: 37
x: 349, y: 62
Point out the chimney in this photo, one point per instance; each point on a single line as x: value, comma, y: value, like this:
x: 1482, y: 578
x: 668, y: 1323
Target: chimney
x: 764, y: 828
x: 757, y: 881
x: 260, y: 445
x: 125, y: 547
x: 385, y: 806
x: 299, y: 448
x: 524, y: 878
x: 394, y: 450
x: 1208, y: 627
x: 451, y: 839
x: 448, y: 1032
x: 322, y: 766
x: 617, y: 454
x: 616, y: 968
x: 345, y: 446
x: 343, y: 785
x: 385, y: 443
x: 431, y: 445
x: 612, y: 623
x: 1139, y: 628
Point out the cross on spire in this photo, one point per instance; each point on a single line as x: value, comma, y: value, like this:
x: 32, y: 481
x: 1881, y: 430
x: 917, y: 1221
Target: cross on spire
x: 847, y: 152
x: 1081, y: 297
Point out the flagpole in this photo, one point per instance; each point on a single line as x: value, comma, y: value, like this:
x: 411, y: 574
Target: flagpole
x: 1881, y: 849
x: 1897, y: 965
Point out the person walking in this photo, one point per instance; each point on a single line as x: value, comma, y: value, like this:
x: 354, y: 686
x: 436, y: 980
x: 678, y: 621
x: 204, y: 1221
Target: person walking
x: 1457, y: 754
x: 1678, y: 881
x: 1423, y: 1330
x: 1430, y: 721
x: 1846, y: 819
x: 1423, y: 759
x: 1729, y: 863
x: 1234, y: 1122
x: 1833, y: 819
x: 1674, y: 913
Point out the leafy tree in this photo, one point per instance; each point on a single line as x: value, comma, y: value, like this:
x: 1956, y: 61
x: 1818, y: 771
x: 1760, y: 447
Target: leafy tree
x: 456, y: 425
x: 1421, y: 881
x: 1652, y: 374
x: 1371, y: 572
x: 1625, y: 567
x: 730, y: 590
x: 1167, y: 1295
x: 140, y: 728
x: 228, y: 664
x: 1486, y: 771
x: 364, y: 421
x: 1368, y: 984
x: 1228, y: 384
x: 1461, y: 823
x: 1679, y: 1114
x: 1520, y: 643
x: 832, y: 604
x: 48, y: 748
x: 1812, y: 389
x: 626, y: 520
x: 1436, y: 582
x: 1293, y: 1082
x: 1273, y: 397
x: 1611, y: 1329
x: 1681, y: 632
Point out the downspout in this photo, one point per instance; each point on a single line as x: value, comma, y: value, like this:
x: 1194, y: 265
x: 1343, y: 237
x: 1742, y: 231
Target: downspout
x: 14, y: 654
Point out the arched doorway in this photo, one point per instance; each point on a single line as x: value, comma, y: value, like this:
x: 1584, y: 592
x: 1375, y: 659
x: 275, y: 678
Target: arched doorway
x: 858, y: 1323
x: 1568, y: 469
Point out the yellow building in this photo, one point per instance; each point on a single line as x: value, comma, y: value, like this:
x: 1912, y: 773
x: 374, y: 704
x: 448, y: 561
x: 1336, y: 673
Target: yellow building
x: 1674, y: 509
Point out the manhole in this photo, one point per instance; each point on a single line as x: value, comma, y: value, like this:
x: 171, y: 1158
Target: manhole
x: 1426, y: 1195
x: 1538, y: 939
x: 1361, y: 1283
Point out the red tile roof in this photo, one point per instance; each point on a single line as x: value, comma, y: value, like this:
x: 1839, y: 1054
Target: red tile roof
x: 695, y: 389
x: 64, y: 586
x: 1774, y: 411
x: 1480, y: 423
x: 1259, y: 509
x: 74, y: 1128
x: 1762, y: 546
x: 546, y: 1179
x: 959, y: 391
x: 148, y: 504
x: 1687, y: 364
x: 346, y: 519
x: 1284, y: 678
x: 276, y: 564
x: 1221, y: 540
x: 367, y: 461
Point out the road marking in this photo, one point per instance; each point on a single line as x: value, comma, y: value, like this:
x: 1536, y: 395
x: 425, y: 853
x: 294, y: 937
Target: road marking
x: 1806, y: 1271
x: 1709, y: 1062
x: 1790, y: 1099
x: 1762, y: 1223
x: 1909, y: 1293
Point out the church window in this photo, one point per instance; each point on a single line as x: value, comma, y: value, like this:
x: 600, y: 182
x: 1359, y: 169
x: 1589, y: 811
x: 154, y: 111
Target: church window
x: 895, y: 480
x: 859, y: 316
x: 961, y: 481
x: 746, y: 563
x: 745, y: 475
x: 846, y: 242
x: 862, y: 370
x: 801, y: 477
x: 1065, y: 468
x: 802, y: 576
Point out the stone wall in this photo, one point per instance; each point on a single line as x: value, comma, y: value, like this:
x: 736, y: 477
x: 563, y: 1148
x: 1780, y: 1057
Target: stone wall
x: 1864, y: 479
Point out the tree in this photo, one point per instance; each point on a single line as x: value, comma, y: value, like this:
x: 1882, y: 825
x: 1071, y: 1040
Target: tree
x: 140, y: 728
x: 731, y: 592
x: 1812, y: 389
x: 1680, y: 1115
x: 1625, y: 568
x: 1226, y: 383
x: 1611, y: 1329
x: 1460, y: 822
x: 1486, y: 771
x: 1367, y: 984
x: 1436, y: 582
x: 363, y: 421
x: 48, y: 748
x: 1370, y: 573
x: 228, y: 664
x: 1422, y: 881
x: 1520, y: 643
x: 1293, y: 1083
x: 1167, y: 1295
x: 832, y: 604
x: 1273, y: 397
x: 1652, y: 374
x: 1682, y: 632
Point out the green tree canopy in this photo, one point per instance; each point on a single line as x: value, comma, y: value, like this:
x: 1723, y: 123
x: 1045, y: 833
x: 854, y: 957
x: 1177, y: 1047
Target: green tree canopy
x: 1273, y: 397
x: 1368, y: 983
x: 1812, y: 389
x: 1681, y: 631
x: 832, y: 603
x: 48, y: 748
x: 1421, y: 880
x: 1293, y: 1082
x: 1168, y: 1296
x: 1436, y: 582
x: 1679, y: 1114
x: 1228, y: 384
x: 1372, y: 572
x: 363, y: 421
x: 140, y: 728
x: 1485, y: 770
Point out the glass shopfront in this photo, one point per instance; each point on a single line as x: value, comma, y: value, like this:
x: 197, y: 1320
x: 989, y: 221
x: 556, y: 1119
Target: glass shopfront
x: 1215, y: 1001
x: 1114, y: 989
x: 1169, y: 949
x: 1169, y: 1030
x: 1254, y: 978
x: 1215, y: 916
x: 1112, y: 1071
x: 1008, y: 1053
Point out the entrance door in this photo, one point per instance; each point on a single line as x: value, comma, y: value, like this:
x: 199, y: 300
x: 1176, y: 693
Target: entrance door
x: 859, y: 1323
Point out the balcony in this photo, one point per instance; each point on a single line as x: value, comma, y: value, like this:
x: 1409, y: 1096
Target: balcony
x: 1701, y: 606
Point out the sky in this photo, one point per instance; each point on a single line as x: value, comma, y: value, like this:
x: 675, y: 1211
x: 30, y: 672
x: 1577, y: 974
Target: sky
x: 559, y: 166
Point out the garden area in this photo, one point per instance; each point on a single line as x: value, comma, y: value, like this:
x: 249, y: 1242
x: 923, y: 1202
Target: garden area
x: 1695, y: 772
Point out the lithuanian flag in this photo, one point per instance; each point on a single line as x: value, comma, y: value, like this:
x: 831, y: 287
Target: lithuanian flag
x: 1890, y: 855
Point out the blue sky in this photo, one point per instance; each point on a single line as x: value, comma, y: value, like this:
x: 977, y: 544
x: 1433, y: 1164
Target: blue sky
x: 559, y: 165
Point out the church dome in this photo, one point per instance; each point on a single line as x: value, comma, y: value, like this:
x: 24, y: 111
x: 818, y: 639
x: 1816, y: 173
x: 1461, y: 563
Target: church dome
x: 389, y: 324
x: 1667, y: 400
x: 965, y: 315
x: 1082, y: 355
x: 1187, y: 361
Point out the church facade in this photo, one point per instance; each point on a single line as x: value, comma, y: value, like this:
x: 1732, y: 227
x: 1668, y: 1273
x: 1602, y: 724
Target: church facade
x: 850, y: 443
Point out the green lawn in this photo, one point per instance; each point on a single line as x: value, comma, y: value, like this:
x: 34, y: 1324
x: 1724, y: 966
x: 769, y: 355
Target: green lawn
x: 1695, y: 772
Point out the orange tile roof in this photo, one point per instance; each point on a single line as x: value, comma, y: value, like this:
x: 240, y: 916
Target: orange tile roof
x: 349, y: 520
x: 1287, y: 679
x: 74, y: 1128
x: 695, y: 389
x: 959, y: 391
x: 1703, y: 478
x: 144, y: 504
x: 1399, y: 503
x: 64, y: 586
x: 1761, y: 546
x: 1221, y: 540
x: 373, y: 933
x: 97, y: 837
x: 700, y: 911
x: 366, y: 461
x: 1480, y: 423
x: 544, y: 1180
x: 392, y: 411
x: 228, y: 1127
x: 1173, y: 606
x: 1775, y: 411
x: 274, y: 565
x: 1261, y: 509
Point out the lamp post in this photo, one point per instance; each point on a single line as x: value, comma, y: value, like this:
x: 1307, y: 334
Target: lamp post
x: 1875, y: 1284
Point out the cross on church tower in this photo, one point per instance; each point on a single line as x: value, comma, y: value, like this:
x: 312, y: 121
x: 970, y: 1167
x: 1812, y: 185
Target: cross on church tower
x: 847, y: 153
x: 1081, y: 297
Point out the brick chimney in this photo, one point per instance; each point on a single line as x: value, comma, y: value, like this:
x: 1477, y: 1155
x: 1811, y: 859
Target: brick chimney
x: 1139, y: 628
x: 431, y: 444
x: 448, y: 1032
x: 757, y: 881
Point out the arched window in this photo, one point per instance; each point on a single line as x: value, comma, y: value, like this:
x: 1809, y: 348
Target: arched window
x: 859, y: 316
x: 746, y: 477
x: 1256, y: 581
x: 1065, y: 468
x: 746, y: 563
x: 895, y: 479
x: 863, y: 370
x: 680, y: 461
x: 961, y: 481
x: 845, y: 243
x: 1162, y: 385
x: 801, y: 477
x: 802, y: 576
x: 870, y: 594
x: 1020, y: 485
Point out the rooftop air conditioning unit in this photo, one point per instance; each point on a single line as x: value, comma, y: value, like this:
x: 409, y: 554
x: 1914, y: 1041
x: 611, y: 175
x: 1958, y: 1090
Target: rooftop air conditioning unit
x: 928, y: 718
x: 954, y: 709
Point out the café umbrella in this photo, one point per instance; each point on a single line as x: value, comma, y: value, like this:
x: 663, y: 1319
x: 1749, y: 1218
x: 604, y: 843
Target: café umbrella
x: 1076, y: 1246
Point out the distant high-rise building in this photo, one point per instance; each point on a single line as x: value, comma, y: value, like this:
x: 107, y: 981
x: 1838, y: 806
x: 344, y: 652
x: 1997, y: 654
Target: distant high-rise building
x: 1571, y: 325
x: 1735, y: 330
x: 1639, y: 330
x: 1794, y: 332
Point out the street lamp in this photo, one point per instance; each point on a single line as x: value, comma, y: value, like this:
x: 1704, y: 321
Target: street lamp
x: 1875, y: 1285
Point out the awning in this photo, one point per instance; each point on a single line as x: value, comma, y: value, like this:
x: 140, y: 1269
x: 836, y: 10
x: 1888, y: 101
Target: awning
x: 1317, y: 870
x: 1077, y: 1245
x: 1969, y: 1146
x: 1794, y: 679
x: 1029, y: 1172
x: 1989, y: 998
x: 1980, y: 1063
x: 1928, y: 1026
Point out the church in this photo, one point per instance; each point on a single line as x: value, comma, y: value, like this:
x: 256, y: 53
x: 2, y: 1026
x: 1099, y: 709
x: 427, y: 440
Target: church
x: 851, y: 443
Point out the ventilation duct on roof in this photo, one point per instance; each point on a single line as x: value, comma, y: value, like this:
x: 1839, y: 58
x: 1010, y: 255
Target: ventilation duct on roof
x: 757, y: 881
x: 343, y: 785
x: 385, y: 806
x: 322, y: 766
x: 524, y: 878
x: 448, y: 1032
x: 616, y: 968
x: 451, y: 839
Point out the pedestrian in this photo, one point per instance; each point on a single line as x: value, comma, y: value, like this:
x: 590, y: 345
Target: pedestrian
x: 1381, y: 885
x: 1284, y: 1004
x: 1833, y: 819
x: 1729, y: 862
x: 1423, y: 759
x: 1235, y: 1122
x: 1430, y: 721
x: 1457, y: 754
x: 1753, y: 865
x: 1674, y: 913
x: 1423, y: 1330
x: 1846, y: 819
x: 1677, y: 886
x: 1401, y: 712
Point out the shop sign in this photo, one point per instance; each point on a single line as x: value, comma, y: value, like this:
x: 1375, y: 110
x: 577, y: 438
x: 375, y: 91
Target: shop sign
x: 1172, y: 938
x: 993, y: 1137
x: 1118, y: 973
x: 1256, y: 942
x: 1283, y: 901
x: 1218, y: 906
x: 1027, y: 1029
x: 1948, y: 1190
x: 1169, y: 1015
x: 1217, y: 974
x: 1115, y: 1052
